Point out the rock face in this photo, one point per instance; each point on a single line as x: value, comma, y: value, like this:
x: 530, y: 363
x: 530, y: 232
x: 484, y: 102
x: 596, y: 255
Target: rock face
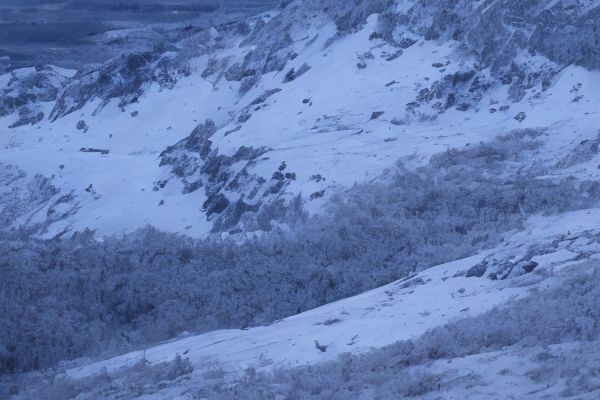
x: 122, y: 78
x: 235, y: 197
x: 22, y: 91
x: 504, y: 35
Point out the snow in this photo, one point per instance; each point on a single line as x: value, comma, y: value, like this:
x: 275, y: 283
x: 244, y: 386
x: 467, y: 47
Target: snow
x: 333, y: 136
x: 402, y: 310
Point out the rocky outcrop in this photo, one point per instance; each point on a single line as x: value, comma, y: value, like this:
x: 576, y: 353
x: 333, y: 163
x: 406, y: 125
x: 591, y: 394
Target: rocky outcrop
x: 235, y: 197
x: 123, y: 78
x: 22, y: 91
x: 502, y: 35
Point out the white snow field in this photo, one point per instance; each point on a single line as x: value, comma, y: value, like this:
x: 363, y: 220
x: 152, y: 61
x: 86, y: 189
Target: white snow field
x: 332, y: 135
x: 308, y: 100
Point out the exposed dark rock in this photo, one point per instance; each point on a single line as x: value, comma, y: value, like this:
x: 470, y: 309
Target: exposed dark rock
x: 215, y: 204
x: 123, y: 78
x: 26, y: 90
x: 320, y: 347
x: 317, y: 195
x: 376, y: 114
x: 27, y: 117
x: 93, y: 150
x: 406, y: 42
x: 529, y: 266
x: 521, y: 116
x: 228, y: 187
x: 81, y: 126
x: 394, y: 56
x: 477, y: 270
x: 293, y: 74
x: 263, y: 97
x: 317, y: 178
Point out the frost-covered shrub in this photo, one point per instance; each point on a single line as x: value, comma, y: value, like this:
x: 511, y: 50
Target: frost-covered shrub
x: 62, y: 299
x: 142, y: 378
x: 16, y: 200
x: 569, y: 313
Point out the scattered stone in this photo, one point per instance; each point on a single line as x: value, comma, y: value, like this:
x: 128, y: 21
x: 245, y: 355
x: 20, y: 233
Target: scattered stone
x: 521, y: 116
x: 322, y: 348
x: 263, y: 97
x: 82, y: 126
x: 93, y: 150
x: 376, y: 114
x: 394, y: 55
x: 317, y: 195
x: 293, y: 74
x: 529, y: 266
x: 317, y: 178
x: 375, y: 36
x: 477, y: 270
x: 134, y: 114
x: 577, y: 98
x: 229, y: 132
x: 406, y: 42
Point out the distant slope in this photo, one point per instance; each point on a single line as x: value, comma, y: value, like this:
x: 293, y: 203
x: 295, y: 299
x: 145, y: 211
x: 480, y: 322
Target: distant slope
x: 313, y: 82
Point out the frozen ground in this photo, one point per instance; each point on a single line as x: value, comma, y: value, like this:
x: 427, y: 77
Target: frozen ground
x: 305, y: 106
x: 331, y: 134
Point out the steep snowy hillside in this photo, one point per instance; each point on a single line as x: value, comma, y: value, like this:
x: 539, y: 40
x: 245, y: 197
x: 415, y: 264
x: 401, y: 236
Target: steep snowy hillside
x: 329, y: 199
x: 128, y: 145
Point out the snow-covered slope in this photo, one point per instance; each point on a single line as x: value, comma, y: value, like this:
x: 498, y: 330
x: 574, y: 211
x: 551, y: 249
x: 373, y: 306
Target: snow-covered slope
x: 403, y: 310
x: 299, y: 108
x: 250, y: 125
